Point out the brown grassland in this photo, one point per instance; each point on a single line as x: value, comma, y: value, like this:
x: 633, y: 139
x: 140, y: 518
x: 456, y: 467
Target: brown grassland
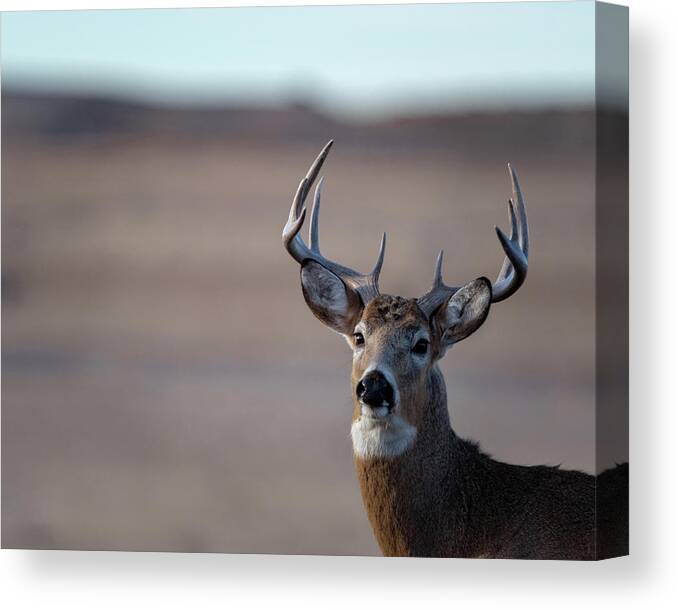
x: 165, y: 386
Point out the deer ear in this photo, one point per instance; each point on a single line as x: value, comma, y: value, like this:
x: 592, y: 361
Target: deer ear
x: 331, y: 301
x: 465, y: 311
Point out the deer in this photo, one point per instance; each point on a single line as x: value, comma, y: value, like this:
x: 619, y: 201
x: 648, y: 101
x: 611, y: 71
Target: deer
x: 427, y: 491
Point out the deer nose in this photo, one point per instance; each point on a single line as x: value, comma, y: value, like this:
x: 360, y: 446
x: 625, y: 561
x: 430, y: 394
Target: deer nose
x: 374, y: 390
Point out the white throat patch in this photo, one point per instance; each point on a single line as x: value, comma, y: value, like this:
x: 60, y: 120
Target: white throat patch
x: 375, y: 438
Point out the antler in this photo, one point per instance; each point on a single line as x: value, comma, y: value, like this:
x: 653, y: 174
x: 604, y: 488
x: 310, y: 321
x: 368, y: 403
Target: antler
x: 366, y: 285
x: 514, y: 268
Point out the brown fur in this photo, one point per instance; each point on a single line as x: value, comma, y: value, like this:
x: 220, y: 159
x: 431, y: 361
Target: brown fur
x: 444, y: 498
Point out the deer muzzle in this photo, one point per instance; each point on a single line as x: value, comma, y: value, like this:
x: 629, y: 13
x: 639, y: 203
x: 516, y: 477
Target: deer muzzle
x: 376, y: 394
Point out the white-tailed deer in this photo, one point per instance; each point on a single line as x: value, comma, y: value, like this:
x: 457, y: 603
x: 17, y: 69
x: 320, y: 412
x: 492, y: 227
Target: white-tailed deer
x: 428, y: 492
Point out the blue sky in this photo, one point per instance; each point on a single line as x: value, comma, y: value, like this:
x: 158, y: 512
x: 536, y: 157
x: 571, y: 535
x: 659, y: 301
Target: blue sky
x: 354, y: 60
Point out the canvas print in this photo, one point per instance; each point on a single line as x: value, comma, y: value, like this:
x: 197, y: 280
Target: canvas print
x: 186, y: 368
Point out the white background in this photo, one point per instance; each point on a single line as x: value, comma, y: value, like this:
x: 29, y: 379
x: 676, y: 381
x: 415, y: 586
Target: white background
x: 50, y: 579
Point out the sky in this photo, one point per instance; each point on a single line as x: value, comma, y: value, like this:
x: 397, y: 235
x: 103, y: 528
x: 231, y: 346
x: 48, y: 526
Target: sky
x: 350, y: 60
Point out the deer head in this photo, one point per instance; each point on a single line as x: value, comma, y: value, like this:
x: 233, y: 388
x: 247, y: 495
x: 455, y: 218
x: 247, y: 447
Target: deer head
x: 396, y: 341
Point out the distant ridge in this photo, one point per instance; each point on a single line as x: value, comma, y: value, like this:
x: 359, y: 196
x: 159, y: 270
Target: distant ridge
x: 65, y: 117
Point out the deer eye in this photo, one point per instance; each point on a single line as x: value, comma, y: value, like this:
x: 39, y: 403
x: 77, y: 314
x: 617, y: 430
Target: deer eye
x: 359, y: 339
x: 420, y: 347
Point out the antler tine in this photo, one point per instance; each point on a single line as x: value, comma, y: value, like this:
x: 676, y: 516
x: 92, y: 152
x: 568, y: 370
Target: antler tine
x: 380, y: 259
x: 313, y: 239
x: 523, y: 232
x: 514, y: 268
x: 439, y: 292
x: 506, y: 265
x: 365, y: 285
x: 438, y: 273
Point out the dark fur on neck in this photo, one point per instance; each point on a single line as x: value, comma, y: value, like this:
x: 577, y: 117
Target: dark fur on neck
x: 445, y: 498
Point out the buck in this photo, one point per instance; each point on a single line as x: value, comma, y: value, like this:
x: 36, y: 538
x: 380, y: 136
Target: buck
x: 427, y: 491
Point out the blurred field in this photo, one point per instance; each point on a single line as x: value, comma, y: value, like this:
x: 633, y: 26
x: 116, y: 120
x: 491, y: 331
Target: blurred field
x: 165, y: 386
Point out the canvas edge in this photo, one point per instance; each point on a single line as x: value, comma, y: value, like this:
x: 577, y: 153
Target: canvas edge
x: 612, y: 279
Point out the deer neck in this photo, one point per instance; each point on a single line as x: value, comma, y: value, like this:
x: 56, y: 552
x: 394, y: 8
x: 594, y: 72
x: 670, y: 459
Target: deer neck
x: 412, y: 501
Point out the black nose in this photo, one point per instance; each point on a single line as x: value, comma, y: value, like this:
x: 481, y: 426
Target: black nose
x: 374, y: 390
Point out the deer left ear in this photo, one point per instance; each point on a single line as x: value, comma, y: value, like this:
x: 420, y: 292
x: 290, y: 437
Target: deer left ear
x: 464, y: 312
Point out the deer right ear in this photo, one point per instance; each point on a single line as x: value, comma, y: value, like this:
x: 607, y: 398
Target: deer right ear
x: 331, y: 301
